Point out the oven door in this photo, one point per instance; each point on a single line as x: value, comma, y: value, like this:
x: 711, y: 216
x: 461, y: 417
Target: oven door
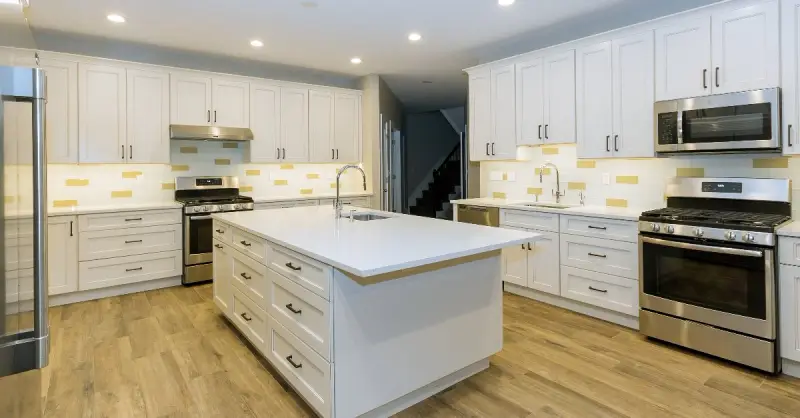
x: 726, y: 286
x: 197, y: 239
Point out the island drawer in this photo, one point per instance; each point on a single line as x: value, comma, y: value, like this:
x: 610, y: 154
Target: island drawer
x: 249, y: 244
x: 311, y: 274
x: 103, y: 221
x: 600, y: 255
x: 600, y: 228
x: 250, y: 278
x: 303, y: 313
x: 252, y: 321
x: 606, y: 291
x: 95, y: 245
x: 789, y: 251
x: 223, y: 232
x: 304, y: 369
x: 529, y: 219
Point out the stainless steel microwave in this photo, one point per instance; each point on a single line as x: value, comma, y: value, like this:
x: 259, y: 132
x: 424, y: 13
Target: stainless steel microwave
x: 734, y: 122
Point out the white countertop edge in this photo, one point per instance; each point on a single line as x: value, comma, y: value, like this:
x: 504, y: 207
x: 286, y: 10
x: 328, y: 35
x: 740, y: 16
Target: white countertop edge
x: 606, y: 212
x: 87, y: 210
x: 279, y: 199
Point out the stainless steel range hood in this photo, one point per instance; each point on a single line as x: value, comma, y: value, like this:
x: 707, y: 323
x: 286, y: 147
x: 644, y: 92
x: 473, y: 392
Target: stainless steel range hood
x: 209, y: 133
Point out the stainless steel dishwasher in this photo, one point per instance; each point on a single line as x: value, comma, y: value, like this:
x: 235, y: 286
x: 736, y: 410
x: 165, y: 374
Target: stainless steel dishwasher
x: 479, y: 215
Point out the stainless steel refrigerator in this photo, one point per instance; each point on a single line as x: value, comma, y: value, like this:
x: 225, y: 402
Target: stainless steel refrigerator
x: 24, y: 330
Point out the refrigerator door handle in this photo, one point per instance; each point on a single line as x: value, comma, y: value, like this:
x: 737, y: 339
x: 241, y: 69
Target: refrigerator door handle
x: 41, y: 327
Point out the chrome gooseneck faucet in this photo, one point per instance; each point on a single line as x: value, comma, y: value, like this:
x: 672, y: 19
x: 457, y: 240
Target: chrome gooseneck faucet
x: 338, y: 203
x: 557, y: 192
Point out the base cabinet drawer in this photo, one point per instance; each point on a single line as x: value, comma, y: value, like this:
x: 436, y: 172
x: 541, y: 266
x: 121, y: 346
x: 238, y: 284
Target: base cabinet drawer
x: 600, y: 255
x: 527, y: 219
x: 789, y: 251
x: 95, y: 245
x: 302, y: 312
x: 250, y: 278
x: 600, y: 228
x: 250, y: 319
x: 310, y: 274
x: 249, y: 244
x: 603, y: 290
x: 109, y: 272
x: 104, y: 221
x: 222, y: 232
x: 309, y: 374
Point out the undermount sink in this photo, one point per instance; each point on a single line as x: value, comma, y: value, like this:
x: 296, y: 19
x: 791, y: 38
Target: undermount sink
x: 548, y: 205
x: 365, y: 217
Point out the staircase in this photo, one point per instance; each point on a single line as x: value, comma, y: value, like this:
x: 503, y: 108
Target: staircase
x: 446, y: 185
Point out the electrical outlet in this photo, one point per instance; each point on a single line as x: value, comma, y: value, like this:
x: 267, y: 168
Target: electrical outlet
x: 606, y: 179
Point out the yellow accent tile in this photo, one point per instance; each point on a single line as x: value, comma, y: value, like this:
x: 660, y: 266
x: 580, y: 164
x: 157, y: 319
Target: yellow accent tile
x: 245, y: 189
x: 64, y: 203
x: 499, y: 195
x: 9, y: 199
x: 230, y: 145
x: 131, y: 174
x: 549, y: 151
x: 252, y: 172
x: 281, y: 182
x: 587, y: 164
x: 222, y: 161
x: 627, y: 179
x: 76, y: 182
x: 122, y: 193
x: 287, y: 166
x: 779, y: 162
x: 573, y: 185
x: 546, y: 171
x: 617, y: 203
x: 306, y: 191
x: 505, y: 176
x: 333, y: 185
x: 167, y: 186
x: 188, y: 150
x: 180, y: 168
x: 691, y: 172
x: 535, y: 190
x: 312, y: 176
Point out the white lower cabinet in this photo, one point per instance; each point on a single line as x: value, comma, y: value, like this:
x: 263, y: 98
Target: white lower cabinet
x: 223, y: 270
x: 533, y: 264
x: 250, y: 319
x: 789, y: 291
x: 118, y: 271
x: 62, y: 254
x: 604, y: 290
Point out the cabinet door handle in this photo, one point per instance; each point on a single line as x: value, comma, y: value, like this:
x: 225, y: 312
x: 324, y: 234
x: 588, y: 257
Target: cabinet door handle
x: 70, y: 228
x: 136, y: 241
x: 133, y: 219
x: 705, y: 72
x: 716, y: 76
x: 130, y: 154
x: 616, y: 145
x: 278, y: 155
x: 332, y: 154
x: 136, y: 269
x: 291, y: 266
x: 220, y: 231
x: 123, y: 152
x: 217, y: 246
x: 245, y: 243
x: 492, y: 148
x: 789, y: 134
x: 598, y: 255
x: 246, y: 277
x: 540, y: 131
x: 529, y: 247
x: 246, y: 318
x: 208, y: 116
x: 295, y: 311
x: 337, y: 153
x: 602, y: 228
x: 295, y: 365
x: 598, y: 290
x: 215, y: 116
x: 545, y: 132
x: 523, y: 246
x: 284, y: 153
x: 608, y: 147
x: 487, y: 148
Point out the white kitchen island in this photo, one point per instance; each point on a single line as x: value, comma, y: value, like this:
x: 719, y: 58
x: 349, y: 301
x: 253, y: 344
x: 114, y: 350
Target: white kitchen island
x: 363, y: 318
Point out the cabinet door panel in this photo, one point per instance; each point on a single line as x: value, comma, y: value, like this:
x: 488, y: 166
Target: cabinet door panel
x: 543, y: 264
x: 62, y: 255
x: 148, y: 117
x: 231, y: 100
x: 683, y: 57
x: 61, y: 110
x: 102, y: 116
x: 789, y: 279
x: 265, y: 114
x: 480, y: 116
x: 594, y: 101
x: 294, y: 125
x: 746, y: 48
x: 530, y: 102
x: 790, y: 82
x: 634, y: 95
x: 190, y: 99
x: 515, y: 263
x: 503, y: 106
x: 223, y: 271
x: 320, y: 126
x: 559, y: 105
x: 347, y: 127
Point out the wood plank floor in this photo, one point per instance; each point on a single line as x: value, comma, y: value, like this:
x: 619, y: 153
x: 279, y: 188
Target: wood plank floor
x: 168, y: 353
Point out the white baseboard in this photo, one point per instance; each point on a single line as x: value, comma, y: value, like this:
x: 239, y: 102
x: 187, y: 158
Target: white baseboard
x: 791, y: 367
x: 582, y: 308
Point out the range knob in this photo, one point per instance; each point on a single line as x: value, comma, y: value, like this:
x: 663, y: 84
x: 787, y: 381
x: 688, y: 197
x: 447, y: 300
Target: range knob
x: 748, y: 238
x: 206, y: 208
x: 670, y: 229
x: 698, y: 232
x: 730, y: 235
x: 655, y: 227
x: 238, y: 206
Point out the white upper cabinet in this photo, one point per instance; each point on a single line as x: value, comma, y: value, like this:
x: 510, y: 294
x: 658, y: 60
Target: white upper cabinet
x: 530, y: 102
x: 190, y: 99
x: 594, y: 101
x: 102, y: 116
x: 683, y: 59
x: 294, y: 125
x: 61, y: 110
x: 790, y: 83
x: 321, y: 126
x: 634, y: 94
x: 480, y: 115
x: 347, y: 127
x: 231, y: 102
x: 559, y: 98
x: 265, y: 117
x: 504, y: 115
x: 148, y: 117
x: 746, y: 48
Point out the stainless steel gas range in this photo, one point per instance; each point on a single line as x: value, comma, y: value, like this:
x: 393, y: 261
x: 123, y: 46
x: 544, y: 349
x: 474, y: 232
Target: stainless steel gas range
x: 202, y: 196
x: 708, y: 270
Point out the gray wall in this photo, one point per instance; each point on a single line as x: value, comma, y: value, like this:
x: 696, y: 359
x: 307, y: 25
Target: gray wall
x: 429, y: 138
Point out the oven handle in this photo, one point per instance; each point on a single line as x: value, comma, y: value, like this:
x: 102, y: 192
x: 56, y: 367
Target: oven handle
x: 708, y: 248
x: 199, y: 218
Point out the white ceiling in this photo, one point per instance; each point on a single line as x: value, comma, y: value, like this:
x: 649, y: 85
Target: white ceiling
x: 456, y: 33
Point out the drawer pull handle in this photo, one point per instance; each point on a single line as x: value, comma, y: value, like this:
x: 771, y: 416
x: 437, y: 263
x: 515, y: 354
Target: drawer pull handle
x: 291, y: 266
x: 598, y: 290
x: 245, y: 243
x: 291, y: 308
x: 529, y: 247
x: 295, y: 365
x: 220, y: 231
x: 136, y: 269
x: 133, y: 241
x: 602, y: 228
x: 217, y: 246
x: 246, y: 277
x: 133, y: 219
x: 246, y: 318
x: 598, y: 255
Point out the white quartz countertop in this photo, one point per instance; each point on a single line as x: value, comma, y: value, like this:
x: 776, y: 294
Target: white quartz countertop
x: 276, y: 199
x: 792, y: 229
x: 626, y: 214
x: 370, y: 248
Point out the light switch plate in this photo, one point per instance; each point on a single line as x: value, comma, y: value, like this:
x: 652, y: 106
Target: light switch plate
x: 511, y: 176
x: 606, y: 179
x: 496, y: 176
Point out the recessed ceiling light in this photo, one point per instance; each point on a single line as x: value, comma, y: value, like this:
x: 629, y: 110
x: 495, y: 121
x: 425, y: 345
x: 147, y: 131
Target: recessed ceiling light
x: 256, y: 43
x: 116, y: 18
x: 505, y: 3
x: 355, y: 60
x: 427, y: 82
x: 309, y: 4
x: 414, y: 37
